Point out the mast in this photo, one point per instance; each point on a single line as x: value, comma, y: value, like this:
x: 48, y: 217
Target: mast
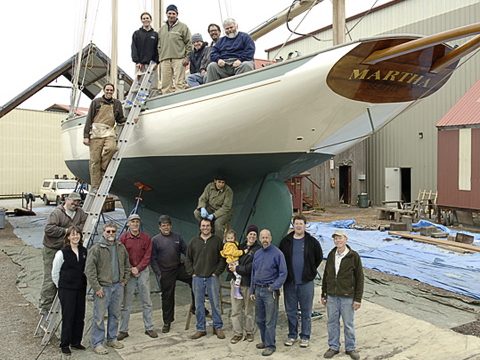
x: 114, y: 55
x: 338, y: 22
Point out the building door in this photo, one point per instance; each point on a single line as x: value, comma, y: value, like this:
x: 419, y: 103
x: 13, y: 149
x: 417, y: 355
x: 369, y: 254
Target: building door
x: 345, y: 186
x: 393, y: 184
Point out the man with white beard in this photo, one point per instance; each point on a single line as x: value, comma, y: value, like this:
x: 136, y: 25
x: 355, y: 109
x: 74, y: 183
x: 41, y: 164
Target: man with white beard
x: 232, y: 54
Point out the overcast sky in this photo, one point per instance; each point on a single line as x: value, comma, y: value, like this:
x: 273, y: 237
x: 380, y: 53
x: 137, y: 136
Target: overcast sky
x: 39, y: 35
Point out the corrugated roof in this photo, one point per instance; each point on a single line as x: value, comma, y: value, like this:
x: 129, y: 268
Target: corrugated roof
x: 466, y: 111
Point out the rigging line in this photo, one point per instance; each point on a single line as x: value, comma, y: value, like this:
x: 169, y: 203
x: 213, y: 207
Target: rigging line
x: 359, y: 20
x: 292, y: 33
x: 412, y: 104
x: 300, y: 34
x: 94, y: 21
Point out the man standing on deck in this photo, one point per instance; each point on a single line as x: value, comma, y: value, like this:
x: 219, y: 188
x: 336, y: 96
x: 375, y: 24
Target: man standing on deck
x: 62, y: 217
x: 232, y: 54
x: 174, y: 46
x: 99, y: 133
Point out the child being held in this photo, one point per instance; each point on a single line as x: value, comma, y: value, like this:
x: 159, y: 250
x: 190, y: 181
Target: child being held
x: 231, y: 253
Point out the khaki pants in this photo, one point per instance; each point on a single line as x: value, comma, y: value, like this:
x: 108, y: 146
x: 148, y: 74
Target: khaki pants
x: 243, y: 312
x: 101, y: 152
x: 172, y: 75
x: 49, y: 290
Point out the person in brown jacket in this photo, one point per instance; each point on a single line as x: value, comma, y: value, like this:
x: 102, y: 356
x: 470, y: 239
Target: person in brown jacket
x: 62, y: 217
x: 99, y: 133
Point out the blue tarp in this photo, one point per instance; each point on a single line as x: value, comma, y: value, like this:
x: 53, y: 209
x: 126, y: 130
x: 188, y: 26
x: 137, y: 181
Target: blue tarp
x: 459, y: 273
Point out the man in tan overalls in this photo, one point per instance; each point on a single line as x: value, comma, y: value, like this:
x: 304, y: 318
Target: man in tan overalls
x: 99, y: 133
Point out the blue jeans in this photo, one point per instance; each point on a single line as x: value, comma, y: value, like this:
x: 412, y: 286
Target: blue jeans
x: 143, y: 284
x: 299, y: 295
x: 266, y: 314
x: 195, y: 79
x: 340, y: 306
x: 211, y: 286
x: 110, y: 302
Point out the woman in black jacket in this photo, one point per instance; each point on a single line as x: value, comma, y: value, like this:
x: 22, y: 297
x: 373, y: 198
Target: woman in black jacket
x: 69, y: 277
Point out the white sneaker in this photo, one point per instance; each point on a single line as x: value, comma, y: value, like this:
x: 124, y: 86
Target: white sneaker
x: 100, y: 350
x: 304, y: 343
x: 289, y: 342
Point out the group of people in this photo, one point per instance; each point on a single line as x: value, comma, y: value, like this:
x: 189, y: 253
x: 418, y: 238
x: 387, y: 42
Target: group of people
x: 174, y: 48
x: 257, y: 271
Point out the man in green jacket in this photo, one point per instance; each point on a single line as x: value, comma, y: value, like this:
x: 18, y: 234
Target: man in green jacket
x: 215, y: 204
x: 342, y: 290
x: 174, y: 47
x: 107, y: 270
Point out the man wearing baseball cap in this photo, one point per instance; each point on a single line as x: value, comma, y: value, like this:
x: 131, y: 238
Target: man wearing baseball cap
x: 139, y: 248
x: 342, y: 290
x: 62, y: 217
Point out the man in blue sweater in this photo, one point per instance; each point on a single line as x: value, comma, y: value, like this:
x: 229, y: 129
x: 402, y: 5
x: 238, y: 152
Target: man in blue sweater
x: 269, y: 272
x: 232, y: 54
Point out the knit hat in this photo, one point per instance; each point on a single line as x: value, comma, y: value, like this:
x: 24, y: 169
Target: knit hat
x: 134, y: 217
x: 251, y: 228
x: 197, y: 37
x: 172, y: 8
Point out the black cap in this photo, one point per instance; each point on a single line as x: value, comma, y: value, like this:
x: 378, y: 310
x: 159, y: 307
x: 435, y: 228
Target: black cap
x: 164, y: 219
x: 172, y: 8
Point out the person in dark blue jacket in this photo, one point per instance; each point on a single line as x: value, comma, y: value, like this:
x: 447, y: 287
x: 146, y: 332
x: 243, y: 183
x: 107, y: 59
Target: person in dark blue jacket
x: 232, y: 54
x: 69, y: 277
x: 269, y: 272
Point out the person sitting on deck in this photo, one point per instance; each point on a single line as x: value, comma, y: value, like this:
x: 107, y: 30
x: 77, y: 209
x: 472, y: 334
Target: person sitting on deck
x: 232, y: 54
x: 199, y: 59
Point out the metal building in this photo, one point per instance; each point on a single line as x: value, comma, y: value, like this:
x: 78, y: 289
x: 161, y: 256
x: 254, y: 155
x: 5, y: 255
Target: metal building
x: 30, y: 150
x: 406, y: 148
x: 459, y: 154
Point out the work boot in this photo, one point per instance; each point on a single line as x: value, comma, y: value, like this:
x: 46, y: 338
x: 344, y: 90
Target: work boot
x: 78, y: 347
x: 122, y: 335
x: 115, y: 344
x: 198, y: 334
x: 249, y: 337
x: 152, y: 333
x: 330, y: 353
x: 268, y: 351
x: 235, y: 339
x: 353, y: 354
x: 100, y: 350
x: 219, y: 332
x: 66, y: 350
x: 260, y: 346
x: 166, y: 328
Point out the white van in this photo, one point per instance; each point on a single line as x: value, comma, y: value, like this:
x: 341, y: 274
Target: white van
x: 56, y: 190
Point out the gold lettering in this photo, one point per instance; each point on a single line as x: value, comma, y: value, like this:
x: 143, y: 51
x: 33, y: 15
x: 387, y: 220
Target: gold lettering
x: 357, y: 74
x: 376, y: 75
x: 414, y: 79
x: 391, y: 75
x: 405, y: 74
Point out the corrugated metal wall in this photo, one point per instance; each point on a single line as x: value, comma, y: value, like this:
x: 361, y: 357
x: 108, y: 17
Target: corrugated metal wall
x: 398, y: 144
x: 30, y: 150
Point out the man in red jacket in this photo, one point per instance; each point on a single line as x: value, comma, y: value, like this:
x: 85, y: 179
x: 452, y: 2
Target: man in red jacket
x: 139, y: 248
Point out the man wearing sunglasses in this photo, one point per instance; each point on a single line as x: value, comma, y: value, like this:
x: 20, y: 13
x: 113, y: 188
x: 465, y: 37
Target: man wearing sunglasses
x: 107, y: 270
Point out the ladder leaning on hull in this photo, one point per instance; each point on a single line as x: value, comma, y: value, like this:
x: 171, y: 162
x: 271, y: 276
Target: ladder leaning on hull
x: 93, y: 204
